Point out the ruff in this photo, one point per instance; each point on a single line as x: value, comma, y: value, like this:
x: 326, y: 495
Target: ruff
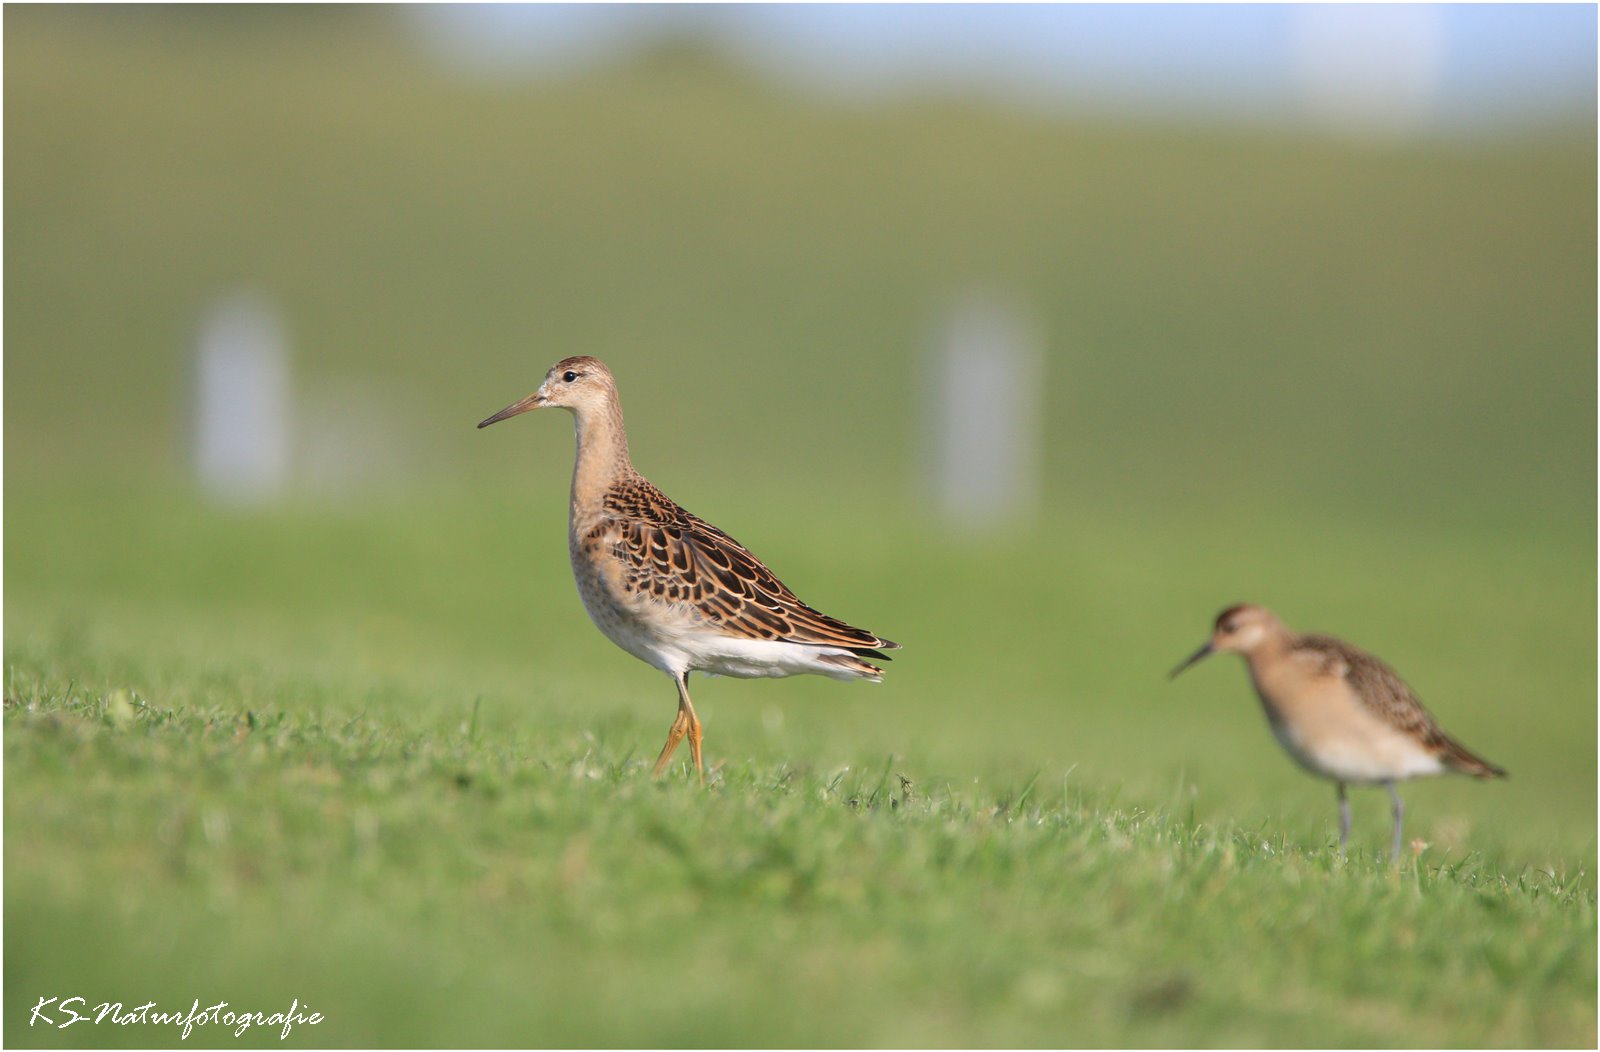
x: 668, y: 587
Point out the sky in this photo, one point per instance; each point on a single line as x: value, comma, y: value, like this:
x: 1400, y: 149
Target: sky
x: 1364, y: 68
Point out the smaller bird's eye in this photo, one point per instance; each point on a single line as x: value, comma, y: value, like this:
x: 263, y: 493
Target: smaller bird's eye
x: 1227, y: 626
x: 569, y: 376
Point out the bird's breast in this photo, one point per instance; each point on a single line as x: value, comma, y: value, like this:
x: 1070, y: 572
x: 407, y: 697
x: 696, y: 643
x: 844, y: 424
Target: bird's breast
x: 599, y: 573
x: 630, y: 619
x: 1328, y: 730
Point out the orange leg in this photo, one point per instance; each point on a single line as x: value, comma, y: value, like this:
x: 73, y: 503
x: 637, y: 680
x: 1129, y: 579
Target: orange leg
x: 680, y: 727
x: 685, y: 723
x: 694, y: 745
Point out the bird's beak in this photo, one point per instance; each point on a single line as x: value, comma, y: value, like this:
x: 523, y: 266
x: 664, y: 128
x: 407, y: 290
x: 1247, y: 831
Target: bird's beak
x: 533, y: 401
x: 1194, y: 658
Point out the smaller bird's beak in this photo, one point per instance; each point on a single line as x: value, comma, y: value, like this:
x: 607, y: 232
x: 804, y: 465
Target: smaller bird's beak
x: 533, y: 401
x: 1193, y: 659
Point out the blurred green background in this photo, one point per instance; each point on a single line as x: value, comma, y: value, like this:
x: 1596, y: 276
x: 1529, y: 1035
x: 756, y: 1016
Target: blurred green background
x: 1354, y: 381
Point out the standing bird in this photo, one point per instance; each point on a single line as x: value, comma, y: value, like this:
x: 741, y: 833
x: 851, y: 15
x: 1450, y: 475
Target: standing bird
x: 669, y: 588
x: 1339, y: 711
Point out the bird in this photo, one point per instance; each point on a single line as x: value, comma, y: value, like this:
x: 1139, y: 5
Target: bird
x: 668, y: 587
x: 1340, y: 712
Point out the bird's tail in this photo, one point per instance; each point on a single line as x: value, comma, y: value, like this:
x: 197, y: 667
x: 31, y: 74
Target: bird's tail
x: 854, y: 665
x: 1458, y: 757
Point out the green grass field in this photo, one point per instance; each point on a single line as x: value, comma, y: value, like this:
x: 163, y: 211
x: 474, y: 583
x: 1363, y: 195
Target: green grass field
x: 364, y: 749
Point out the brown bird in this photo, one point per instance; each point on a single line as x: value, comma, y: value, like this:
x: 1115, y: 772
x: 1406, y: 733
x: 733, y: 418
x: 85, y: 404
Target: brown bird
x: 670, y: 588
x: 1339, y: 711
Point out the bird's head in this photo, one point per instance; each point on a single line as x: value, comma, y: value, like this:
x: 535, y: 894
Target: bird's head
x: 1238, y: 629
x: 579, y: 384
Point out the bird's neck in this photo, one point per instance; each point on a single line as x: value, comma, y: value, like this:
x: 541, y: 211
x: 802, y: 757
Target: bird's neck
x: 1266, y: 658
x: 602, y: 458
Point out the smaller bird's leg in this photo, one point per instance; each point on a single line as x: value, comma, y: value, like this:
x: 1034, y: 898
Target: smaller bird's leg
x: 686, y: 707
x: 680, y: 727
x: 1399, y: 814
x: 1344, y: 818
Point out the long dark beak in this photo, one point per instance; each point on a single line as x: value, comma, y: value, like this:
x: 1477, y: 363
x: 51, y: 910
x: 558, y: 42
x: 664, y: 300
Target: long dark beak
x: 1194, y: 658
x: 533, y: 401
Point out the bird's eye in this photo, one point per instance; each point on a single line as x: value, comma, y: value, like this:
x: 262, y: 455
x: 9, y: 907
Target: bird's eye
x: 569, y: 376
x: 1227, y: 628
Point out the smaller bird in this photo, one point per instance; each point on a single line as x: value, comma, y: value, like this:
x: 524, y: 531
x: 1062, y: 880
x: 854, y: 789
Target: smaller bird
x: 1338, y: 710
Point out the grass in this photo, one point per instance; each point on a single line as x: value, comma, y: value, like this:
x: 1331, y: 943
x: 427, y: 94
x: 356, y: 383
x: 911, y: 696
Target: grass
x: 422, y: 885
x: 362, y: 747
x: 420, y: 804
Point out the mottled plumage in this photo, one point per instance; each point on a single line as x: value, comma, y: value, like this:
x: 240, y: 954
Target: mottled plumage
x: 669, y: 587
x: 1339, y: 711
x: 679, y: 557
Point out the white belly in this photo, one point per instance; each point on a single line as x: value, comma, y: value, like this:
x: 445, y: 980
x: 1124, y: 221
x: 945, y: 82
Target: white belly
x: 720, y: 655
x: 1363, y: 754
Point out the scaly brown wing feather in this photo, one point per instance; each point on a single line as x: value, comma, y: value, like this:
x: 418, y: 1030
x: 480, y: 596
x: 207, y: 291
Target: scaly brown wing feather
x: 1384, y: 693
x: 678, y: 557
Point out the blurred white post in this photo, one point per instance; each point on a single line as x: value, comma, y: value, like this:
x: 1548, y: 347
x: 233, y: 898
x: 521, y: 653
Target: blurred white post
x: 241, y: 400
x: 988, y: 370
